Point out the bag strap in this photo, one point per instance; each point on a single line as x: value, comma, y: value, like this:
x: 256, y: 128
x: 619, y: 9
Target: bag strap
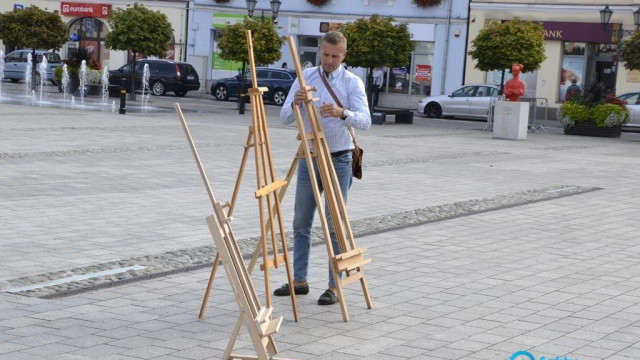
x: 333, y: 95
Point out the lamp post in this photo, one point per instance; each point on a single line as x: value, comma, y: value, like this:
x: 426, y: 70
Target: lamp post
x: 251, y: 7
x: 605, y: 17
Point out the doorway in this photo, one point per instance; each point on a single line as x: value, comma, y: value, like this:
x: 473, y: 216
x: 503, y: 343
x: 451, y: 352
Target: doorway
x: 606, y: 73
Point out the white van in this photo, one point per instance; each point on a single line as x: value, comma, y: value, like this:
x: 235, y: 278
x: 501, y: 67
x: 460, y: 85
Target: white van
x: 15, y: 64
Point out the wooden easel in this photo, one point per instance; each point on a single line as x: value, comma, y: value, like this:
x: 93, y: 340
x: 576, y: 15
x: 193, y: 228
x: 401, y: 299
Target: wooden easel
x: 256, y: 317
x: 269, y: 198
x: 350, y: 259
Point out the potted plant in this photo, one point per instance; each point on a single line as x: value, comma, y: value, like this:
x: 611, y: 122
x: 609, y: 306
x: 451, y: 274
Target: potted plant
x: 426, y: 3
x: 594, y: 113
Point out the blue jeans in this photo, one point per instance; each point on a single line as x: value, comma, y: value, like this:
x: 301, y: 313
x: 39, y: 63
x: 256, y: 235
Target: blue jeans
x: 305, y: 209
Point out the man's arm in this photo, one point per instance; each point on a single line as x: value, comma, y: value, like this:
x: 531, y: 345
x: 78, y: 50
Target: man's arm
x: 357, y: 109
x: 287, y: 116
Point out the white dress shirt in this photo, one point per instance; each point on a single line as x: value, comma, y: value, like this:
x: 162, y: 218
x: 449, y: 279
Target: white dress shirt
x: 349, y: 89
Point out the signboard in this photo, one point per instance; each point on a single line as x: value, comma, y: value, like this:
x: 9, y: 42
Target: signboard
x: 423, y: 73
x: 18, y: 6
x: 85, y: 9
x: 220, y: 21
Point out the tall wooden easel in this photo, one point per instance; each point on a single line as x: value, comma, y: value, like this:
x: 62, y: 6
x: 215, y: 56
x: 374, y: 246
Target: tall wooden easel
x: 257, y: 318
x: 350, y: 259
x: 269, y: 198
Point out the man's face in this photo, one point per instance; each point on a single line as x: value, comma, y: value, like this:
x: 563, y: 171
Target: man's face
x: 331, y: 56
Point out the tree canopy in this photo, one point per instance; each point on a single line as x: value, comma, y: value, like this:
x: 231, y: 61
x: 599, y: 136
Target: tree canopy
x: 264, y: 38
x: 377, y: 41
x: 139, y: 30
x: 630, y: 52
x: 501, y: 44
x: 33, y: 28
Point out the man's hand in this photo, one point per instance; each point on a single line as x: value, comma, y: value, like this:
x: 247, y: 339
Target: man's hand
x: 331, y: 110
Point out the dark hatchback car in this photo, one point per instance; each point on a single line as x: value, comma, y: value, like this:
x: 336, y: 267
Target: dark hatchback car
x: 278, y: 81
x: 164, y: 76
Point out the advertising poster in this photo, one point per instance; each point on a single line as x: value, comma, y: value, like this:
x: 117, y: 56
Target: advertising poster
x: 572, y: 68
x: 220, y: 21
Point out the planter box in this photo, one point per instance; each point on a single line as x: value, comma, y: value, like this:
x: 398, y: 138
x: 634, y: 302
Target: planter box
x: 589, y: 128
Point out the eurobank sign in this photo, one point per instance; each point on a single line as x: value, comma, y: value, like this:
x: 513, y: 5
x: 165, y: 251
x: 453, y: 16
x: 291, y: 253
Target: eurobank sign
x: 85, y: 9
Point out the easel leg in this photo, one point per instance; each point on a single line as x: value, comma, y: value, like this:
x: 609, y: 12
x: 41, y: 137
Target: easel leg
x: 216, y: 261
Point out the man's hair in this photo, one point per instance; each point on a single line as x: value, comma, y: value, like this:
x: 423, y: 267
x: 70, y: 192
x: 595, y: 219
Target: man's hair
x: 334, y: 38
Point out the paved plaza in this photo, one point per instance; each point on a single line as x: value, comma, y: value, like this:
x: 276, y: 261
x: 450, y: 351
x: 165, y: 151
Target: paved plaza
x: 481, y: 248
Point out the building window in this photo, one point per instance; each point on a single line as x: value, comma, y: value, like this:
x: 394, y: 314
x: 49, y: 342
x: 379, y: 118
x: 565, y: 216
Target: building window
x: 415, y: 77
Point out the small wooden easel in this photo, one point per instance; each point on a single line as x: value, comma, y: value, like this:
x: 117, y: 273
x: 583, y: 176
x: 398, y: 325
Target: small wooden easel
x: 269, y: 198
x: 350, y: 259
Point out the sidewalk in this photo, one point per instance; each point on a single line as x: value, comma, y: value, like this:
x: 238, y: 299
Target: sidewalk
x: 481, y: 247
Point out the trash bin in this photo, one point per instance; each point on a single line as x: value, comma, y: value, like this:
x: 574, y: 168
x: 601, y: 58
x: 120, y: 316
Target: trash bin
x: 378, y: 117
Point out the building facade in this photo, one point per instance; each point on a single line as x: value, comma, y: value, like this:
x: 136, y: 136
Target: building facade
x: 88, y: 25
x: 434, y: 67
x: 576, y: 46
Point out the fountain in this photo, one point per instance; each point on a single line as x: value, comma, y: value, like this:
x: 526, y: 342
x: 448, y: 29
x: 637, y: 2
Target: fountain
x: 105, y: 85
x: 27, y: 75
x: 145, y: 85
x: 83, y: 80
x: 1, y: 70
x: 42, y: 69
x: 65, y: 82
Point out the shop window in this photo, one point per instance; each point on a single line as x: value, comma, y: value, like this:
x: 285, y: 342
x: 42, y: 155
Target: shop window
x: 415, y: 77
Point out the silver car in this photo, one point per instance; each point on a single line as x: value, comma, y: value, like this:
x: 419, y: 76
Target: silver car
x: 469, y: 101
x: 633, y: 104
x: 15, y: 64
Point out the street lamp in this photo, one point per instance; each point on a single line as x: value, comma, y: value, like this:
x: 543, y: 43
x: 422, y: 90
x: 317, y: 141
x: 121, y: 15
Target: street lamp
x: 251, y: 7
x: 275, y: 8
x: 605, y: 17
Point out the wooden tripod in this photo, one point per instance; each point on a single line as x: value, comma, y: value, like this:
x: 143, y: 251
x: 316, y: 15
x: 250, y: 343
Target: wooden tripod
x: 268, y: 194
x: 349, y: 259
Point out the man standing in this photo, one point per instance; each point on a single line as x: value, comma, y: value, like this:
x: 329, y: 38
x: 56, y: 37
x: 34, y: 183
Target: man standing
x: 573, y: 91
x: 378, y: 79
x: 350, y: 91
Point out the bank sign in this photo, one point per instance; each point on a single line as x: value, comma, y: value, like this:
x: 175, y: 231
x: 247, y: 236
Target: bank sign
x: 85, y: 10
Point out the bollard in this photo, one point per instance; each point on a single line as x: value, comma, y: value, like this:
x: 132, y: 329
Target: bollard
x: 241, y: 103
x: 123, y: 96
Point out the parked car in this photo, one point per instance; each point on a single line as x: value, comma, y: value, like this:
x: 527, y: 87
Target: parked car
x: 15, y: 64
x: 164, y: 76
x: 469, y: 101
x: 278, y: 81
x: 633, y: 104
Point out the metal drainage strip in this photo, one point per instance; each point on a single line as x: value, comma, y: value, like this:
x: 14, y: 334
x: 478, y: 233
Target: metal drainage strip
x: 73, y: 278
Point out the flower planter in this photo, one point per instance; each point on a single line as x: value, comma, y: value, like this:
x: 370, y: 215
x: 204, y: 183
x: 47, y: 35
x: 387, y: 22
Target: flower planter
x: 589, y: 128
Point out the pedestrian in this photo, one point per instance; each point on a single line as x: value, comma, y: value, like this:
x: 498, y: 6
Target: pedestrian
x: 378, y: 80
x: 284, y: 65
x: 350, y: 91
x: 573, y: 91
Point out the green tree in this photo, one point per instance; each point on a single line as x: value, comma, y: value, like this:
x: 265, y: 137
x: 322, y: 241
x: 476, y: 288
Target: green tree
x: 501, y: 44
x: 377, y: 41
x: 266, y: 46
x: 264, y: 38
x: 630, y: 52
x: 130, y: 32
x: 33, y: 28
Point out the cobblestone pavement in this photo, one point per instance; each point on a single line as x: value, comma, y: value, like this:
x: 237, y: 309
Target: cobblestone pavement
x: 481, y: 247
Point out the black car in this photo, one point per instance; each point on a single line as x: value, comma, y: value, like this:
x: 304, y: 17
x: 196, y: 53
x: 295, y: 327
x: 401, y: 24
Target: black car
x: 278, y: 81
x: 164, y: 76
